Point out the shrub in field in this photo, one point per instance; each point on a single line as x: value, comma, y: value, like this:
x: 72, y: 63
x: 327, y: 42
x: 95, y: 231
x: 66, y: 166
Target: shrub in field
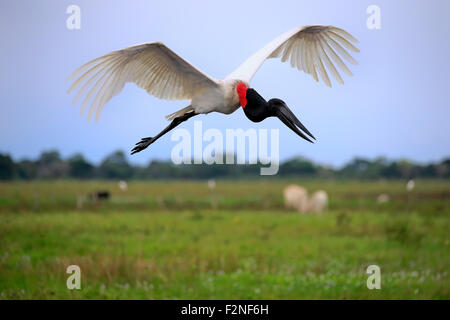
x: 403, y: 231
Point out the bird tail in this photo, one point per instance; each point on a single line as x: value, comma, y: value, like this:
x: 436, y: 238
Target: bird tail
x: 179, y: 113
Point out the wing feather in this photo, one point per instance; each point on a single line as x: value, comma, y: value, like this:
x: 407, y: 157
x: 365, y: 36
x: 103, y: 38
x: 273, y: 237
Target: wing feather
x: 323, y: 73
x: 300, y: 45
x: 335, y: 57
x: 152, y: 66
x: 294, y: 62
x: 340, y: 50
x: 303, y: 55
x: 344, y: 41
x: 310, y: 61
x: 330, y: 66
x: 313, y: 49
x: 345, y: 34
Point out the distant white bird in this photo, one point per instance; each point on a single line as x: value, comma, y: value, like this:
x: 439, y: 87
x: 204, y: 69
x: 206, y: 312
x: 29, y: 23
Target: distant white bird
x: 164, y: 74
x: 123, y: 185
x: 410, y: 185
x: 211, y: 184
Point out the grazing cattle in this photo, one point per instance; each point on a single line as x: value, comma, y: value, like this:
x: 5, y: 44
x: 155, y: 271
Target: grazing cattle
x: 318, y: 202
x: 99, y: 196
x: 383, y: 198
x: 296, y: 197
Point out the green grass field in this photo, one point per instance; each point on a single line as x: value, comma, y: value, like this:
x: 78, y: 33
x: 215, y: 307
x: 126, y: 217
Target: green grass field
x: 180, y: 240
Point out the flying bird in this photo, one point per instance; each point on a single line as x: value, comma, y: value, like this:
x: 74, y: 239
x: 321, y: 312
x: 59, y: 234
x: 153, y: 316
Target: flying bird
x: 316, y: 50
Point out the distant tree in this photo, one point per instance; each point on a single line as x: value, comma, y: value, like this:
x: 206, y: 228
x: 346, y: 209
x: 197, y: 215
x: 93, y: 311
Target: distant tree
x: 355, y: 169
x: 79, y: 167
x: 298, y: 166
x: 115, y: 166
x: 391, y: 171
x: 26, y: 169
x: 49, y: 157
x: 374, y: 168
x: 446, y: 162
x: 163, y: 169
x: 429, y: 171
x: 360, y: 168
x: 7, y: 167
x: 443, y: 169
x: 408, y: 169
x: 51, y: 166
x: 325, y: 172
x: 140, y: 173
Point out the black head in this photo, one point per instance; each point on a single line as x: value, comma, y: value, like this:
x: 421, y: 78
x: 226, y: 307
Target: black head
x: 256, y: 108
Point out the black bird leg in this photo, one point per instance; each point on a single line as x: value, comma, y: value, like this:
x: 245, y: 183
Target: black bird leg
x: 145, y: 142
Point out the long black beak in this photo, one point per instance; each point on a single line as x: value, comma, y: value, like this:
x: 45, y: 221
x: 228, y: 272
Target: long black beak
x: 289, y: 119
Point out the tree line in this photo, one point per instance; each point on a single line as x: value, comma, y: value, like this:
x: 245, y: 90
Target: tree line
x: 50, y: 165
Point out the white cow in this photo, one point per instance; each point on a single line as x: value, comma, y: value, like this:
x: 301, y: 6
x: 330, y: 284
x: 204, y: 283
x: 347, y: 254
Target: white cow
x: 383, y: 198
x: 296, y: 197
x: 318, y: 202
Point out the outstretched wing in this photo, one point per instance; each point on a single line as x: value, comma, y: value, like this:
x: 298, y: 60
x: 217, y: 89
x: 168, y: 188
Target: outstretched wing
x: 314, y: 49
x: 152, y: 66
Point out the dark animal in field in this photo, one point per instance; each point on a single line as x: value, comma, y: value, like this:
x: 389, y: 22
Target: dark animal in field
x: 99, y: 196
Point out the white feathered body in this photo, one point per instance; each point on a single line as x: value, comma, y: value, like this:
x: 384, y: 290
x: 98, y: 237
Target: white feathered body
x: 223, y: 99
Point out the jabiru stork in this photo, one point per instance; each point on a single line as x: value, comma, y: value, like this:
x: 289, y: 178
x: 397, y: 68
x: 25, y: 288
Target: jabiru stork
x: 162, y: 73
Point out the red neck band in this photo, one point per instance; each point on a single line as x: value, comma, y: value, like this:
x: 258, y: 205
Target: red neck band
x: 241, y: 89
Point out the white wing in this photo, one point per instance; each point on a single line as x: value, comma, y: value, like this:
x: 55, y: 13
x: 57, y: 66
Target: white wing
x: 309, y: 49
x: 152, y: 66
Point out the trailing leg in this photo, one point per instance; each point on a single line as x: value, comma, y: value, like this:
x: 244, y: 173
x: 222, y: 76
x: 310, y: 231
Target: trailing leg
x: 145, y: 142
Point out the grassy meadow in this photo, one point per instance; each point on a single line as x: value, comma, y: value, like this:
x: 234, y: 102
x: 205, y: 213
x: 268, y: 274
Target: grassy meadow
x: 182, y: 240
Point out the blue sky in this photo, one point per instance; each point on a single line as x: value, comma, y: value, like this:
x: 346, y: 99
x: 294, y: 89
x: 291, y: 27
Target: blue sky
x: 396, y: 105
